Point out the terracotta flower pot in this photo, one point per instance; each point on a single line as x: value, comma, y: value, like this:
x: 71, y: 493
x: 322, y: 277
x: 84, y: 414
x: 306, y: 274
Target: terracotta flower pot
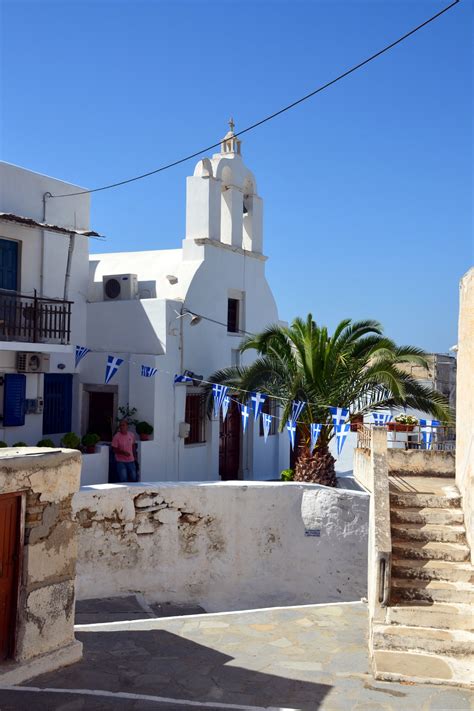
x: 356, y: 422
x: 90, y: 449
x: 144, y: 437
x: 400, y: 427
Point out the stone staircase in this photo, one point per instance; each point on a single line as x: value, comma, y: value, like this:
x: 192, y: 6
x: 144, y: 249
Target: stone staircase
x: 428, y: 631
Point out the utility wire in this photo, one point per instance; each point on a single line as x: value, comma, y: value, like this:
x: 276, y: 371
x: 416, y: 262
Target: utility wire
x: 271, y: 116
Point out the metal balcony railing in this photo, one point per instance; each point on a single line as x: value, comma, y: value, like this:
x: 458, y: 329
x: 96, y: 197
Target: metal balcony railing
x: 434, y: 438
x: 33, y: 319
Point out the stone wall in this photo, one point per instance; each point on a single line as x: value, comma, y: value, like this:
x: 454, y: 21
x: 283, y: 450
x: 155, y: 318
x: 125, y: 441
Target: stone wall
x: 45, y: 615
x: 225, y: 546
x: 420, y: 461
x: 465, y: 403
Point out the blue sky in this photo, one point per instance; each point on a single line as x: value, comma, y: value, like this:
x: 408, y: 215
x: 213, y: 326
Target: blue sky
x: 367, y: 187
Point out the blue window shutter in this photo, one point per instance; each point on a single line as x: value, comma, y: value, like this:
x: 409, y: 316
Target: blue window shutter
x: 8, y: 264
x: 57, y: 403
x: 14, y: 393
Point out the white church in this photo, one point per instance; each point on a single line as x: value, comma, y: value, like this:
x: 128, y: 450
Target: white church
x: 185, y: 311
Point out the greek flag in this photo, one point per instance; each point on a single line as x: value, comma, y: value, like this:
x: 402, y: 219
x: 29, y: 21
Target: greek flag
x: 296, y: 410
x: 258, y: 399
x: 113, y: 364
x: 148, y: 371
x: 225, y: 406
x: 245, y: 415
x: 339, y: 415
x: 315, y: 429
x: 341, y: 434
x: 182, y: 379
x: 426, y: 427
x: 219, y: 392
x: 291, y: 427
x: 81, y: 352
x: 267, y: 423
x: 381, y: 418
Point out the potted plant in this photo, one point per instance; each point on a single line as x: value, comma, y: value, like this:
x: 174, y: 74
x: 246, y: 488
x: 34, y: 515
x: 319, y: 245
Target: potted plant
x: 89, y: 441
x: 3, y: 444
x: 45, y: 443
x: 144, y: 430
x: 70, y: 441
x: 402, y: 423
x: 356, y: 420
x: 19, y: 444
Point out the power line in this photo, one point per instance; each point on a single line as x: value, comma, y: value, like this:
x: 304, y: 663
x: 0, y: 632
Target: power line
x: 271, y: 116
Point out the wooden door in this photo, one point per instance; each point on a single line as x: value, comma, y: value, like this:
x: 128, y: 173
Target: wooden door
x: 229, y: 444
x: 10, y: 547
x: 101, y: 415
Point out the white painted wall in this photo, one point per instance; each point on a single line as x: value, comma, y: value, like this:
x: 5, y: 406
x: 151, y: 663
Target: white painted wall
x: 211, y: 267
x: 22, y: 193
x: 226, y: 546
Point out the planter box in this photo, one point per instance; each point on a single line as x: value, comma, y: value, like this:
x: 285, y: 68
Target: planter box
x: 400, y: 427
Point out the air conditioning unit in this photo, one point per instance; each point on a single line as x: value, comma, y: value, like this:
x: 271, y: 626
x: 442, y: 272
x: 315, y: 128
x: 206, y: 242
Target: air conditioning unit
x: 32, y: 362
x: 120, y: 287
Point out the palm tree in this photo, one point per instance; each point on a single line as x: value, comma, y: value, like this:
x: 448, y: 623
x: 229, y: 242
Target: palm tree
x: 356, y: 368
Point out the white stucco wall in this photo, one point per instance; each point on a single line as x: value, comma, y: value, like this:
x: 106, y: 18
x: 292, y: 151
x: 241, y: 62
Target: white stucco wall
x: 22, y: 193
x: 226, y: 546
x: 465, y: 404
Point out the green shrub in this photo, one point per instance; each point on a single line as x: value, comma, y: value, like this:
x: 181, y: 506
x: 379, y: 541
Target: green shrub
x: 3, y: 444
x: 287, y: 475
x: 90, y: 439
x: 70, y: 441
x: 45, y: 443
x: 19, y: 444
x: 144, y: 428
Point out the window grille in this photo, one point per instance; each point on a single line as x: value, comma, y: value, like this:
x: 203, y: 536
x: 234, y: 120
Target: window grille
x: 196, y: 418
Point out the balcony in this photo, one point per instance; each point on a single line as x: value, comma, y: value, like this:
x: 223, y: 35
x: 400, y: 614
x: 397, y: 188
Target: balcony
x: 31, y: 319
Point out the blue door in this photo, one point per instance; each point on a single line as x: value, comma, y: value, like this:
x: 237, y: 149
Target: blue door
x: 57, y: 404
x: 8, y: 264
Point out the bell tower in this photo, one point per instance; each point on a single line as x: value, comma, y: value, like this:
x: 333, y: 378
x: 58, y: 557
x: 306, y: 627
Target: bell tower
x: 222, y: 204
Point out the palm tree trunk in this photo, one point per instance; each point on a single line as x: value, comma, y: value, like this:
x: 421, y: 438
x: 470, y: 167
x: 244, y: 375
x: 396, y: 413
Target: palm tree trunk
x: 316, y: 468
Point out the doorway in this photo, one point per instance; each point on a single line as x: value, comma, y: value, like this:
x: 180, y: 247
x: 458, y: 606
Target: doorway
x: 10, y: 550
x: 101, y: 417
x: 229, y: 444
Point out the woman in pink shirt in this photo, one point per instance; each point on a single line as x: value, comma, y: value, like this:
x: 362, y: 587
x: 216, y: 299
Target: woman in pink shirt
x: 123, y: 445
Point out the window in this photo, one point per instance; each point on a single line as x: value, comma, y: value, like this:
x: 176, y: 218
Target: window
x: 196, y: 418
x: 233, y: 315
x: 8, y: 264
x: 270, y: 407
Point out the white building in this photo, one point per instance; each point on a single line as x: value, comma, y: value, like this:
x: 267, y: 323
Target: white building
x: 43, y: 288
x: 140, y: 309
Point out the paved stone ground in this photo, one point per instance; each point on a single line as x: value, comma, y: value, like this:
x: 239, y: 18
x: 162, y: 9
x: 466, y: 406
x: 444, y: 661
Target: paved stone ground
x: 305, y: 658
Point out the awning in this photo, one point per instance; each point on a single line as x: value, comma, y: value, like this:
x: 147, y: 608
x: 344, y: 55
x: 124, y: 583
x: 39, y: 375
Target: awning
x: 29, y: 222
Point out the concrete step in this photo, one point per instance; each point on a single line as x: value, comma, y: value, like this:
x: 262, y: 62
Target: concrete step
x: 434, y: 550
x: 426, y: 500
x: 443, y: 517
x: 441, y: 615
x: 432, y: 570
x: 429, y: 532
x: 423, y: 639
x: 403, y: 590
x: 397, y: 665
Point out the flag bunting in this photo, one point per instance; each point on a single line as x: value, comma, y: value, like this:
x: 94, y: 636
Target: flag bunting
x: 113, y: 364
x: 81, y: 352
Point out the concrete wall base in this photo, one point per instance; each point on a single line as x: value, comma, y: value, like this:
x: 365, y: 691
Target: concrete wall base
x: 13, y: 673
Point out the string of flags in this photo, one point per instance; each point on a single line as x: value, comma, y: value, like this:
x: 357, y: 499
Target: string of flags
x: 221, y: 403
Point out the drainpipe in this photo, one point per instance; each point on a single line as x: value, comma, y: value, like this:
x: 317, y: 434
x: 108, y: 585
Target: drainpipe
x: 72, y: 238
x: 45, y: 197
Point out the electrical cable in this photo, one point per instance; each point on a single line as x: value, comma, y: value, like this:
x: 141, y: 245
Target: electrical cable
x: 271, y: 116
